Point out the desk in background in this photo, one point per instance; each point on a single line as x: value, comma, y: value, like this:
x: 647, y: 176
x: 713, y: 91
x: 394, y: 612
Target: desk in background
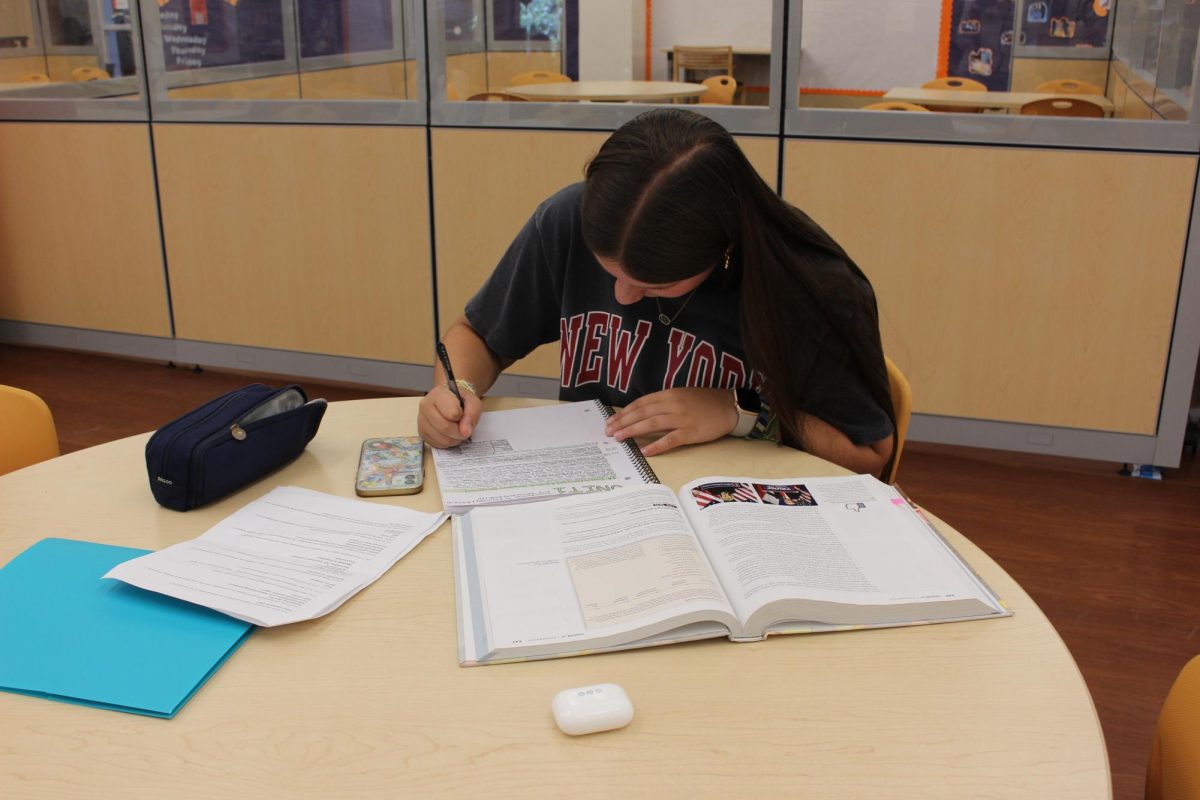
x: 610, y: 91
x: 1009, y: 102
x: 370, y: 702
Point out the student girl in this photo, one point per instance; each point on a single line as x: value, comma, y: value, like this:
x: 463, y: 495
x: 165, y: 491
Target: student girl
x: 684, y: 290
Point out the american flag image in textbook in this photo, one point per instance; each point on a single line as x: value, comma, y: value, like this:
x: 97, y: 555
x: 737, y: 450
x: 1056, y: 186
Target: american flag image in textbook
x: 707, y: 494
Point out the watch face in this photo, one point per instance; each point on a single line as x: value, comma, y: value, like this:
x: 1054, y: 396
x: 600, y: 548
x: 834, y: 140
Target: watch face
x: 747, y: 400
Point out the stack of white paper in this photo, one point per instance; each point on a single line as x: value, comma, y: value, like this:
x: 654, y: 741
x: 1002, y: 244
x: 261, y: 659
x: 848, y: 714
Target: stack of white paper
x: 293, y: 554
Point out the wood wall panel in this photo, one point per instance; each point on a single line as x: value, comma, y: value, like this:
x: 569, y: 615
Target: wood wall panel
x: 385, y: 81
x: 486, y: 185
x: 13, y: 69
x: 79, y: 243
x: 1028, y: 73
x: 275, y: 87
x: 61, y: 66
x: 308, y: 238
x: 502, y: 66
x: 467, y: 73
x: 1015, y: 284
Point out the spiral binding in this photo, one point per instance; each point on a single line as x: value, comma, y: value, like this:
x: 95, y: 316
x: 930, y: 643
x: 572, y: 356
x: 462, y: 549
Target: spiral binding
x: 644, y: 470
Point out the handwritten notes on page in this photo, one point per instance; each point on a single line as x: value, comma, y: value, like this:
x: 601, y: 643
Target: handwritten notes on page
x: 293, y: 554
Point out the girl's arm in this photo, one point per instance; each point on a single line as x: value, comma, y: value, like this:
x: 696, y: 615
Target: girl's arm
x: 827, y: 442
x: 440, y: 420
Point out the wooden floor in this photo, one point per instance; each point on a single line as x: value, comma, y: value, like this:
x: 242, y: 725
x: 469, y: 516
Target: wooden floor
x: 1113, y: 561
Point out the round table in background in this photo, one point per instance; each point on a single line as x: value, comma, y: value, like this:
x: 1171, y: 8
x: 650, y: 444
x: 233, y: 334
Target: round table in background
x: 609, y: 91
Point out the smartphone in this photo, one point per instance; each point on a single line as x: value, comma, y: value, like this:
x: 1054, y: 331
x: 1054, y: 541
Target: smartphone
x: 391, y: 465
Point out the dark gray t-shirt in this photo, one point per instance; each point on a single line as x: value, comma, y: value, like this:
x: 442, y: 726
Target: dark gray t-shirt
x: 549, y: 287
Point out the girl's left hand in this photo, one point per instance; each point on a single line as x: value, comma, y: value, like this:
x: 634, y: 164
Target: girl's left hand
x: 683, y: 416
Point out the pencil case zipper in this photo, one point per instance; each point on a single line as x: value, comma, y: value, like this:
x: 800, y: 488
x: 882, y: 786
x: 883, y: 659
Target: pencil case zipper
x: 170, y: 443
x: 238, y: 430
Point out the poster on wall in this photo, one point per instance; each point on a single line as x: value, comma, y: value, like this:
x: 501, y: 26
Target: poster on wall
x: 218, y: 33
x: 868, y: 46
x: 981, y: 42
x: 1065, y: 23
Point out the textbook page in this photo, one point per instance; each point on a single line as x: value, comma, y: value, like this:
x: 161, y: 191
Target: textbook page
x: 293, y: 554
x: 581, y: 573
x: 850, y: 546
x: 536, y: 453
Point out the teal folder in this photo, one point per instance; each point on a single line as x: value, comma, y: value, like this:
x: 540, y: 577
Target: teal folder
x: 68, y: 634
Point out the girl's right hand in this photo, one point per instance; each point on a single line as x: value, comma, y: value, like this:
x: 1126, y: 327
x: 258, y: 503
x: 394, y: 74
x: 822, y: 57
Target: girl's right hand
x: 442, y: 422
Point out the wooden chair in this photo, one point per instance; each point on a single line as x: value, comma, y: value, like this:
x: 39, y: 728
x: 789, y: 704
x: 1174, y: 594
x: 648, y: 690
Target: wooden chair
x: 1069, y: 86
x: 1063, y: 107
x: 902, y: 407
x: 498, y: 97
x: 721, y: 89
x: 894, y: 105
x: 89, y: 74
x: 35, y: 77
x: 1174, y: 771
x: 527, y: 78
x: 958, y: 84
x: 27, y: 433
x: 709, y: 59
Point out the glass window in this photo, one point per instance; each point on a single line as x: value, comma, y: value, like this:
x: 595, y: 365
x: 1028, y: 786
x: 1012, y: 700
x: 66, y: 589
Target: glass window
x: 68, y: 49
x: 602, y: 51
x: 1074, y: 58
x: 285, y: 50
x: 1154, y: 58
x: 1177, y: 58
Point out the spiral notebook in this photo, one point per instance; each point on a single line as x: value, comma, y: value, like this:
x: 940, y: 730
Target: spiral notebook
x: 530, y: 454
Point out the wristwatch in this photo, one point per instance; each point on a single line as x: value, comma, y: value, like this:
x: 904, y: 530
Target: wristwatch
x: 748, y: 405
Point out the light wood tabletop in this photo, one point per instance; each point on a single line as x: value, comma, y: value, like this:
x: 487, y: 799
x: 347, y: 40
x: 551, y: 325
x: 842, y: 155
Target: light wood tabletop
x: 1007, y: 101
x: 611, y: 91
x: 369, y: 701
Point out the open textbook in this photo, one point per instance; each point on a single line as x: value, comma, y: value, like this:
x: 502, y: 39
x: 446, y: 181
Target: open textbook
x: 528, y: 454
x: 734, y: 557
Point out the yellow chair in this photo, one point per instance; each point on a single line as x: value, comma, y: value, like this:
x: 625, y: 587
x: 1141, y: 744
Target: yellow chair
x: 1174, y: 771
x: 35, y: 77
x: 894, y: 105
x: 1063, y: 107
x: 684, y: 58
x: 1069, y: 86
x: 27, y: 433
x: 720, y: 90
x: 497, y: 97
x: 902, y: 408
x: 958, y: 84
x: 89, y: 74
x: 529, y: 78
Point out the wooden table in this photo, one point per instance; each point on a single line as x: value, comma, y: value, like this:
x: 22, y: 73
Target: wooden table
x: 369, y: 702
x: 1006, y: 101
x: 610, y: 91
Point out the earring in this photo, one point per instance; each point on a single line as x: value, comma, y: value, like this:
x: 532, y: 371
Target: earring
x: 726, y: 266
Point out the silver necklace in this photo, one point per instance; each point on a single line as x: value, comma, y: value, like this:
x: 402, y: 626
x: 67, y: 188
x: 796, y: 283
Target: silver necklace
x: 663, y: 318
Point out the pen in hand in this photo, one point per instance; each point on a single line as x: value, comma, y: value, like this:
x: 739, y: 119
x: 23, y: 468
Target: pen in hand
x: 451, y: 381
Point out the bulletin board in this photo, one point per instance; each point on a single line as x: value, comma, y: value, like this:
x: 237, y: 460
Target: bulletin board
x: 217, y: 33
x: 1066, y: 23
x: 981, y: 42
x: 869, y: 46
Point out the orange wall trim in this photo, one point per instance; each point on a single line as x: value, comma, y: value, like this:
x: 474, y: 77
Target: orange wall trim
x: 853, y: 92
x: 943, y: 65
x: 650, y: 36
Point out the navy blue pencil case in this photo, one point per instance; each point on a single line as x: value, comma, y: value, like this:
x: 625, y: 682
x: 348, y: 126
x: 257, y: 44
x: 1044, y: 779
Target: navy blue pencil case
x: 228, y: 442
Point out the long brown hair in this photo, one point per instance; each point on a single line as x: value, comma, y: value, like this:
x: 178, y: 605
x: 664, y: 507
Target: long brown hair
x: 670, y: 192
